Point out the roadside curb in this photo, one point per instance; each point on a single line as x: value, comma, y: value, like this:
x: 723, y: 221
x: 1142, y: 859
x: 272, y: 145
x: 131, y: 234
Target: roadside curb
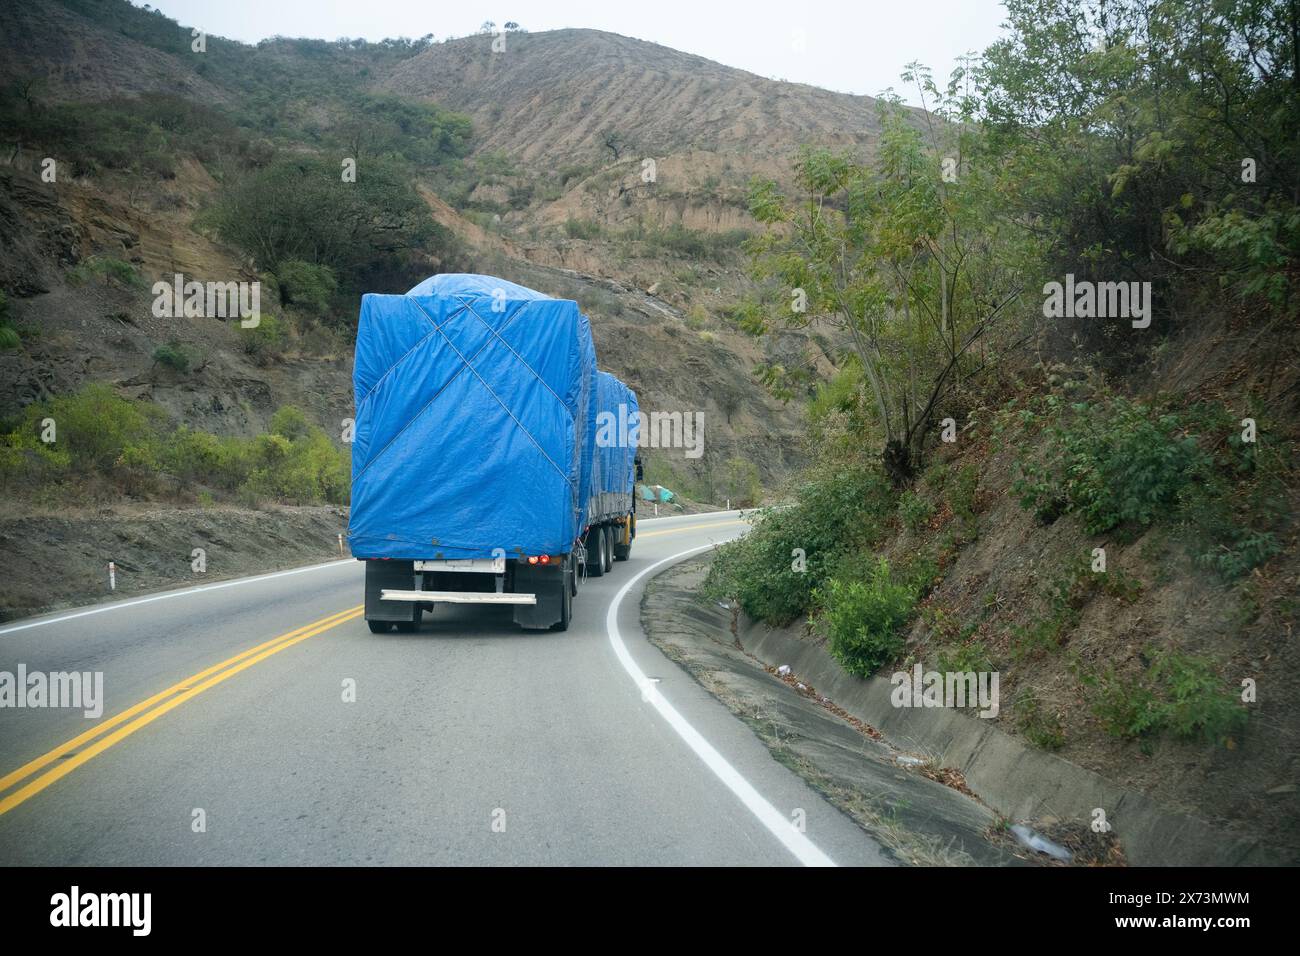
x: 1016, y: 780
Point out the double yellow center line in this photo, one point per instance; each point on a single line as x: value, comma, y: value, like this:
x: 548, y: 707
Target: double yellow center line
x: 69, y: 754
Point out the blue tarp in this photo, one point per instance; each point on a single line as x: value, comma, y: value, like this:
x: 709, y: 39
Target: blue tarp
x: 616, y: 434
x: 475, y: 421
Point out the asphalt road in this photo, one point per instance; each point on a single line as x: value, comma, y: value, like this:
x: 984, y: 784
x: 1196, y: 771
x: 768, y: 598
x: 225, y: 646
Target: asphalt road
x: 469, y: 742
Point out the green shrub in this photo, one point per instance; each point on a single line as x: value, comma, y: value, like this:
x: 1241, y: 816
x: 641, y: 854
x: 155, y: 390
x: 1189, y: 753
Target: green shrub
x: 98, y: 433
x: 290, y: 422
x: 1197, y: 704
x: 581, y: 228
x: 1112, y: 462
x: 864, y: 619
x: 111, y: 270
x: 966, y: 657
x: 1178, y: 693
x: 961, y: 491
x: 914, y: 510
x: 95, y: 426
x: 204, y: 458
x: 1125, y: 708
x: 173, y: 355
x: 1245, y: 550
x: 1040, y: 727
x: 266, y: 339
x: 306, y: 286
x: 838, y: 511
x: 305, y: 470
x: 27, y: 463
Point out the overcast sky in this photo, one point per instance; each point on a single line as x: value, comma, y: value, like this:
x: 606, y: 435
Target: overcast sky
x: 852, y: 47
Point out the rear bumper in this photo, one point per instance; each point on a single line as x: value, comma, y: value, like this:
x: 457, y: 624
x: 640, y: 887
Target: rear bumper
x: 394, y: 588
x: 456, y: 597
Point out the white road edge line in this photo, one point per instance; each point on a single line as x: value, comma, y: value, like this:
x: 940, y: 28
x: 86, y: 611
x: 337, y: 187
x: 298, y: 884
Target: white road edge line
x: 118, y: 605
x: 784, y: 830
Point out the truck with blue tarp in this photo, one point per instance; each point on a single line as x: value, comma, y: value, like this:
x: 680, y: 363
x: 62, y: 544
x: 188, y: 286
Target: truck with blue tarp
x: 479, y: 473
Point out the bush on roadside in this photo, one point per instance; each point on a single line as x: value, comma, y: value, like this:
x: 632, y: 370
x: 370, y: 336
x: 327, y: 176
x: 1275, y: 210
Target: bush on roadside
x: 302, y: 470
x: 1178, y: 693
x: 773, y: 571
x: 914, y: 510
x: 864, y: 618
x: 98, y: 434
x: 1112, y: 462
x: 96, y: 427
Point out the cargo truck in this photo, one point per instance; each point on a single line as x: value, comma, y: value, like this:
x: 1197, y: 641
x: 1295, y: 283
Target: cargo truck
x: 478, y: 475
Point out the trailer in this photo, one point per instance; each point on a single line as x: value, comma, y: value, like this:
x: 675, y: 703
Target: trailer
x: 612, y: 507
x: 476, y: 476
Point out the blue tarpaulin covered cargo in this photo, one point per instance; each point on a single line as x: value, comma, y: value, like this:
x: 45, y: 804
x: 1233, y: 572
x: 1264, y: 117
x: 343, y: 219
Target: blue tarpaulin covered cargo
x: 475, y: 421
x: 616, y: 445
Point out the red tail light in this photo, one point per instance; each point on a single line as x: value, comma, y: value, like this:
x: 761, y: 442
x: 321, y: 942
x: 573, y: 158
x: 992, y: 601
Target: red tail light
x: 546, y: 559
x: 532, y: 559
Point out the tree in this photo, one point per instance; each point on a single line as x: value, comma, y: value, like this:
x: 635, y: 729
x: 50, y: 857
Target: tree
x: 1130, y: 125
x: 614, y: 142
x: 301, y: 210
x: 910, y: 271
x: 384, y: 125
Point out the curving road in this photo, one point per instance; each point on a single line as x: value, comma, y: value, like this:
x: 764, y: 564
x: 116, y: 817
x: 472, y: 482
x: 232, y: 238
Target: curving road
x: 470, y: 742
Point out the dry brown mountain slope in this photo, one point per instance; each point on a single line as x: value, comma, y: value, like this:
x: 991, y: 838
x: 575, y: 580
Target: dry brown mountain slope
x: 659, y: 314
x: 549, y: 97
x: 74, y: 58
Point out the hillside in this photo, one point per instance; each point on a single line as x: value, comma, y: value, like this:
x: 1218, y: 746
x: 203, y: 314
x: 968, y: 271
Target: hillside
x: 1090, y: 495
x: 673, y: 342
x: 552, y: 97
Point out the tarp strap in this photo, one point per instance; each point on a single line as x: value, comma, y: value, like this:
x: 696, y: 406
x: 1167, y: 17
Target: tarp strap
x: 470, y: 309
x: 473, y: 371
x: 380, y: 381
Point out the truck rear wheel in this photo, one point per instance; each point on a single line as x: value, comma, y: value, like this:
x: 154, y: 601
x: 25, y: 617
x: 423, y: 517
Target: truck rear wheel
x: 623, y: 551
x: 608, y: 532
x: 597, y: 551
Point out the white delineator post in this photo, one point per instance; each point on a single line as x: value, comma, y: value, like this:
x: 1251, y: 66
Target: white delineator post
x: 340, y: 542
x: 112, y: 576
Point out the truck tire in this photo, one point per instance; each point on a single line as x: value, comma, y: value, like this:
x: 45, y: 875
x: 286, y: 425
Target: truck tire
x: 380, y: 627
x: 596, y: 551
x: 608, y: 532
x: 623, y: 551
x: 413, y: 625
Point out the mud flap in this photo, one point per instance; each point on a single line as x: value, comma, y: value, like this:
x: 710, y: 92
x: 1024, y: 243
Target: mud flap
x: 396, y: 575
x: 549, y: 583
